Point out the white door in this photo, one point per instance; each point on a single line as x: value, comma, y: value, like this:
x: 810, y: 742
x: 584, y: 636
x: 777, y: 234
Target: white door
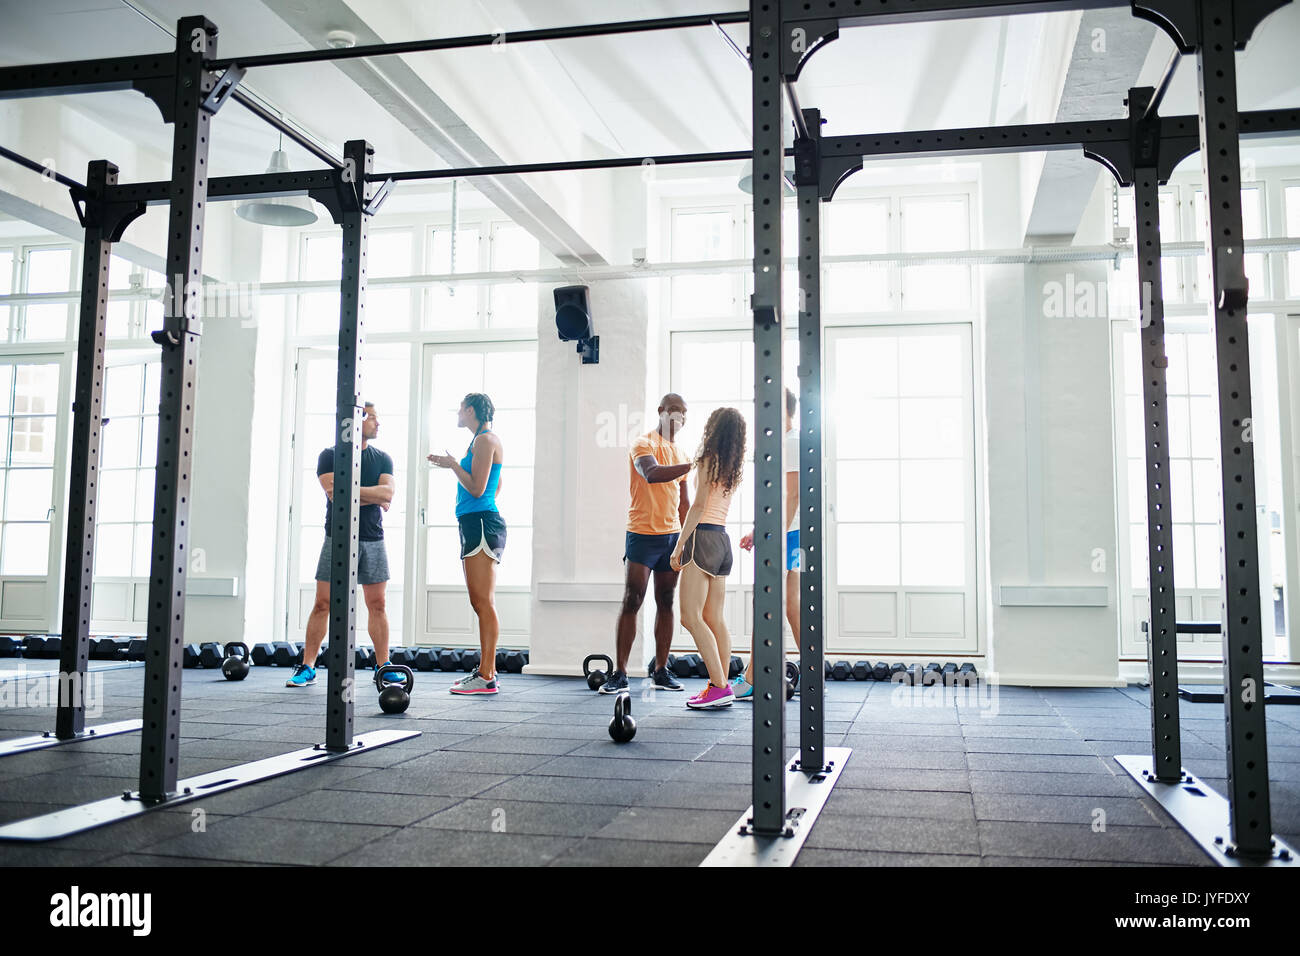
x: 506, y: 372
x: 900, y: 490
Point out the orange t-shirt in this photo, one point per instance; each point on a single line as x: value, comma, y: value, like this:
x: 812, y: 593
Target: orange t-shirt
x: 654, y: 505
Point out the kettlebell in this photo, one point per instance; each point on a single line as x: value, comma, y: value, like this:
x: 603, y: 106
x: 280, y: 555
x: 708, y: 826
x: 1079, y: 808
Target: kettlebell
x: 622, y: 728
x: 595, y: 679
x: 235, y: 665
x: 395, y: 696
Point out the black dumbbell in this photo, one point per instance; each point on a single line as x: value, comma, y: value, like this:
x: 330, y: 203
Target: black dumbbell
x: 862, y: 670
x: 236, y: 664
x: 284, y: 654
x: 736, y: 668
x: 949, y: 673
x: 134, y: 650
x: 10, y: 646
x: 898, y: 673
x: 841, y: 671
x: 395, y: 696
x: 622, y: 728
x: 683, y: 667
x: 515, y: 661
x: 426, y: 661
x: 190, y: 656
x: 46, y: 647
x: 698, y: 667
x: 264, y: 654
x: 826, y: 669
x: 880, y: 671
x: 449, y: 659
x: 932, y: 674
x: 470, y: 659
x: 210, y: 655
x: 364, y: 659
x: 596, y: 678
x: 501, y: 659
x: 967, y: 675
x: 402, y: 655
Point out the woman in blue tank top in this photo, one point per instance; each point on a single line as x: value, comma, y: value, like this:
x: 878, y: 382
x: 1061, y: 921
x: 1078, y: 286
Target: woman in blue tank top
x: 482, y: 532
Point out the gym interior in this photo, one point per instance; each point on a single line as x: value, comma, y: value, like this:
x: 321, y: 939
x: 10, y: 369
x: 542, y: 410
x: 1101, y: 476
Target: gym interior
x: 1045, y: 452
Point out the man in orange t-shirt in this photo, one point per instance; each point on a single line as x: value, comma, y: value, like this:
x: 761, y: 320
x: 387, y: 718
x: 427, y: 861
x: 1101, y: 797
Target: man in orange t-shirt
x: 658, y: 472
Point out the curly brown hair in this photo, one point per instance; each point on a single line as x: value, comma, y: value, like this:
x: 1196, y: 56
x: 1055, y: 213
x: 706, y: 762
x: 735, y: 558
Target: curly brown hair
x: 721, y: 457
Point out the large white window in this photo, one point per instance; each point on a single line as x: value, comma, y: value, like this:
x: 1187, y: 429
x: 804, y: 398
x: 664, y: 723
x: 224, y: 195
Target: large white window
x: 29, y: 394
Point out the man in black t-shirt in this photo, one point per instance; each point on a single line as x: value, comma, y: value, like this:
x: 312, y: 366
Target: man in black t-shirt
x: 377, y: 490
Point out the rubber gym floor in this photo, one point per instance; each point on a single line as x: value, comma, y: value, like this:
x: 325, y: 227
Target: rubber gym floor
x: 1007, y: 777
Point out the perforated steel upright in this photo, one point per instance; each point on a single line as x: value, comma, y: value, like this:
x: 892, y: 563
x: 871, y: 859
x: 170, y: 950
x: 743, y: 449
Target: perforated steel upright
x: 104, y: 222
x: 345, y: 510
x: 196, y: 38
x: 808, y: 426
x: 1214, y: 29
x: 769, y: 401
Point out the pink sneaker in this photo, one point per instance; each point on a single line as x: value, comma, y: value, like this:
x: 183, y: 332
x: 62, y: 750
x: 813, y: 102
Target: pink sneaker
x: 711, y: 698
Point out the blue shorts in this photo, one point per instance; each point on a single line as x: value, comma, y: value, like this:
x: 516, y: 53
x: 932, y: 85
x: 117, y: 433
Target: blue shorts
x: 482, y: 531
x: 793, y: 556
x: 652, y: 550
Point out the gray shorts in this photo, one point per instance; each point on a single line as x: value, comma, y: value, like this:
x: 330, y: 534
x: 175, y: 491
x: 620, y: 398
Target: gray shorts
x: 709, y: 549
x: 372, y: 562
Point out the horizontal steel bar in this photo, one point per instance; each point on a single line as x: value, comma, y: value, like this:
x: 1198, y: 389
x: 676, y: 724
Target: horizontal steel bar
x: 228, y: 188
x: 83, y: 76
x: 483, y: 39
x: 305, y: 142
x: 44, y: 170
x: 1038, y: 136
x: 465, y: 172
x: 911, y: 11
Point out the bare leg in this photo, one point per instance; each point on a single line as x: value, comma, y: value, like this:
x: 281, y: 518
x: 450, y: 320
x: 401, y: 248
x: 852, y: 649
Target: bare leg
x: 665, y: 588
x: 716, y: 620
x: 377, y: 624
x: 317, y: 624
x: 695, y: 591
x: 481, y: 577
x: 638, y: 576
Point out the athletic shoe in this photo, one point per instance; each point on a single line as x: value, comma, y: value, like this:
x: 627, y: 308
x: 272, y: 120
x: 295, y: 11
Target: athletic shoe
x: 615, y: 683
x: 474, y: 684
x: 302, y: 676
x: 742, y: 689
x: 664, y: 680
x: 712, y: 698
x: 461, y: 680
x: 392, y: 677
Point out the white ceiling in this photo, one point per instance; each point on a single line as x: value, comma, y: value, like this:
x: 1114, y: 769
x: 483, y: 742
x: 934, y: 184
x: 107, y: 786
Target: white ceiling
x: 633, y: 95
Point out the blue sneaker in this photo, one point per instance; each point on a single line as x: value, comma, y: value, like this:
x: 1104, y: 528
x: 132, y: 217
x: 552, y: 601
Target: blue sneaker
x: 391, y: 677
x: 302, y: 676
x: 742, y: 689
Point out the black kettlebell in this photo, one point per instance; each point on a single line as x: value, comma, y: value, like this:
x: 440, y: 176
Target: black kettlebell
x: 595, y: 679
x: 622, y: 728
x: 395, y: 696
x: 235, y: 665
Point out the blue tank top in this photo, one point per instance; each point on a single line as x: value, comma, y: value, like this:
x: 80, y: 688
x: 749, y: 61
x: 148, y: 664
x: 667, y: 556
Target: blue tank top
x: 467, y: 503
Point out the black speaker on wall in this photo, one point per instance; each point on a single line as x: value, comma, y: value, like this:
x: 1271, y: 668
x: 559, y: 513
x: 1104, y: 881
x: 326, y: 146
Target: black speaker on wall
x: 573, y: 322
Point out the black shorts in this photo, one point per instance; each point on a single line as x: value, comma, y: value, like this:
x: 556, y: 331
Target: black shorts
x: 652, y: 550
x: 709, y: 549
x: 482, y: 531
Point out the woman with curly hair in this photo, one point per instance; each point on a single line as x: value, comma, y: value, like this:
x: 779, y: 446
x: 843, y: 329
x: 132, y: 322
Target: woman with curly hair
x: 703, y: 552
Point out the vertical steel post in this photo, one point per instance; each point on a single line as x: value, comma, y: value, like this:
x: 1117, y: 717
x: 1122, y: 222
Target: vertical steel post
x: 769, y: 403
x: 87, y: 430
x: 196, y: 38
x: 344, y: 511
x: 808, y: 426
x: 1248, y: 796
x: 1166, y: 745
